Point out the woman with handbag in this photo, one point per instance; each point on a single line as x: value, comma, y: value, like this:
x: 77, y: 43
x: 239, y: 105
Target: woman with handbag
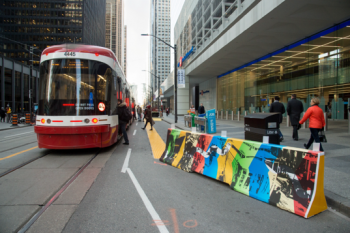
x: 148, y: 116
x: 317, y: 122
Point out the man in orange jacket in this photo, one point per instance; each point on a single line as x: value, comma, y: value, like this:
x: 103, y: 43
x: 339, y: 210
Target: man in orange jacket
x: 316, y: 122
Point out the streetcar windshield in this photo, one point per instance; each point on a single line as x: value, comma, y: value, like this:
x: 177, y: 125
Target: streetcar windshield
x: 75, y: 87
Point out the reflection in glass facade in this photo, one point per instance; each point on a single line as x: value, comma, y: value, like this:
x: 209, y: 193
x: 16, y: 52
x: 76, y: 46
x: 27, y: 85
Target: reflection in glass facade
x: 318, y: 66
x: 43, y: 23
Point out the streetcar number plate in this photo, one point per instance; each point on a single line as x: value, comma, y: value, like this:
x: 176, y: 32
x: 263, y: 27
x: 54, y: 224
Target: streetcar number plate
x: 71, y: 54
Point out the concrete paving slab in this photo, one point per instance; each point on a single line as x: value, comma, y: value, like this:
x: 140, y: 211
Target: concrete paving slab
x: 12, y: 217
x: 54, y: 220
x: 32, y: 186
x: 77, y: 190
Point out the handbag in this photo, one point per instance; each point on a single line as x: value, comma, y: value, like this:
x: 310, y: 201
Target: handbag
x: 322, y: 136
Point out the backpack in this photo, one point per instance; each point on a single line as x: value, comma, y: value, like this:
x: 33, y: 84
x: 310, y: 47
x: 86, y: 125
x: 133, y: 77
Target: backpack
x: 126, y: 115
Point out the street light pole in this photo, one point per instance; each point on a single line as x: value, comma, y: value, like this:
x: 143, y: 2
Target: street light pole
x: 175, y: 83
x: 175, y: 71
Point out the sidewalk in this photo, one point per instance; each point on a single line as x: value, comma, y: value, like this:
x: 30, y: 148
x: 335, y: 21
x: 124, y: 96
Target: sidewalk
x: 337, y: 154
x: 8, y: 126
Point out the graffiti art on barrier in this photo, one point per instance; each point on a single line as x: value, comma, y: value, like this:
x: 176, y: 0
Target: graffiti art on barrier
x: 281, y: 176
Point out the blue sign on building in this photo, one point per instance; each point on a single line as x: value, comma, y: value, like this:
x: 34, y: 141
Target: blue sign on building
x: 211, y: 121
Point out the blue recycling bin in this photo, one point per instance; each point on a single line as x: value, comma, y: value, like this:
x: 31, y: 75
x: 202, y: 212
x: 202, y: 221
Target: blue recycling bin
x: 202, y: 115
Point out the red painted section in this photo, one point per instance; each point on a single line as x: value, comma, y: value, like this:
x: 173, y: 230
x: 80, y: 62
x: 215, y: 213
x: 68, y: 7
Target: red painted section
x: 81, y: 49
x: 76, y: 137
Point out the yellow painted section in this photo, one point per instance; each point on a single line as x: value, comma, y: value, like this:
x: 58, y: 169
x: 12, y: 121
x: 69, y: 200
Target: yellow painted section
x: 157, y: 119
x: 18, y: 153
x: 319, y: 204
x: 157, y: 144
x: 179, y: 155
x: 225, y: 170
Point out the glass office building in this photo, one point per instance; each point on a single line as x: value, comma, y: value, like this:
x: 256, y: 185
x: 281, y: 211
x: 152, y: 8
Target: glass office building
x: 42, y: 23
x: 317, y: 66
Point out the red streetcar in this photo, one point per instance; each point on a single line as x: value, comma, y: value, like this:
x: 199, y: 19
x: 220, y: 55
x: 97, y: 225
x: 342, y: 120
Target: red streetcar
x: 78, y: 93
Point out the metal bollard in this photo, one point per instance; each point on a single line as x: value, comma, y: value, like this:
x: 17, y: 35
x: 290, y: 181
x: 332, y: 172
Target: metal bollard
x: 222, y: 114
x: 288, y: 120
x: 14, y: 120
x: 238, y: 115
x: 226, y: 115
x: 245, y: 113
x: 253, y: 111
x: 326, y: 120
x: 232, y: 115
x: 217, y: 114
x: 305, y: 123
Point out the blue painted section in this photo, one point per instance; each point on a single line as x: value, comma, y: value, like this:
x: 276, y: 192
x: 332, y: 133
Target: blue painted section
x: 259, y: 184
x: 296, y: 44
x: 211, y: 163
x: 211, y: 121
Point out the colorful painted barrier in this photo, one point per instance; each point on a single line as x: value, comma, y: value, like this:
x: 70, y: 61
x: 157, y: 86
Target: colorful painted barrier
x: 286, y: 177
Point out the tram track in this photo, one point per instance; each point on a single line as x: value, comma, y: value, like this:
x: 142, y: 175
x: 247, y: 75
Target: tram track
x: 21, y: 165
x: 51, y: 200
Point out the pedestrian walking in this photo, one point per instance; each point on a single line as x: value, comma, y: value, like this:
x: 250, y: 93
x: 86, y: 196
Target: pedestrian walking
x: 316, y: 122
x: 2, y: 114
x: 294, y: 109
x: 124, y: 116
x: 276, y: 106
x: 201, y: 109
x: 167, y: 112
x: 8, y: 113
x: 139, y: 112
x: 148, y: 116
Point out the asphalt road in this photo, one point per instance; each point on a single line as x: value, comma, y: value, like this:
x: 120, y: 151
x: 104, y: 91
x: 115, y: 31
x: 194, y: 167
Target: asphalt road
x: 185, y: 202
x: 144, y: 195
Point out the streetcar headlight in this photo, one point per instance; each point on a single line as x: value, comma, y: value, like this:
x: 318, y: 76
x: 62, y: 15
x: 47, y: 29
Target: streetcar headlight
x: 86, y: 120
x: 94, y: 120
x: 42, y: 121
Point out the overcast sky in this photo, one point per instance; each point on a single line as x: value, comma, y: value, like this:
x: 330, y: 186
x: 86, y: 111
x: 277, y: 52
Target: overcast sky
x: 136, y: 17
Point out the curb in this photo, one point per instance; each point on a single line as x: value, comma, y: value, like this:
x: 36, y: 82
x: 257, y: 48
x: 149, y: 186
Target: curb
x: 173, y: 123
x: 338, y: 203
x: 18, y: 127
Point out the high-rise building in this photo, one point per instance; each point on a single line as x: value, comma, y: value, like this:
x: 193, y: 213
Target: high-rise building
x: 134, y: 89
x: 125, y: 49
x: 115, y: 28
x: 160, y: 52
x: 42, y: 23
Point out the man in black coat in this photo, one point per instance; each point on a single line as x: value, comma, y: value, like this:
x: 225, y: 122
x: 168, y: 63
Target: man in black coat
x: 294, y: 109
x: 201, y: 109
x: 124, y: 118
x: 276, y: 106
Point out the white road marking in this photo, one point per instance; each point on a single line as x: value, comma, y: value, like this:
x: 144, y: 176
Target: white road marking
x: 134, y: 132
x: 126, y: 161
x: 159, y: 223
x: 17, y: 134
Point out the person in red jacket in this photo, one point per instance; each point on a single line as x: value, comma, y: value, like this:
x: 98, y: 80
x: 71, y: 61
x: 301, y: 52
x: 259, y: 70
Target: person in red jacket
x: 316, y: 122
